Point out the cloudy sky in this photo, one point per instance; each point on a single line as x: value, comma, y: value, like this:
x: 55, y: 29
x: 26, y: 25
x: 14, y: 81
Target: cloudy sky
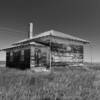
x: 80, y: 18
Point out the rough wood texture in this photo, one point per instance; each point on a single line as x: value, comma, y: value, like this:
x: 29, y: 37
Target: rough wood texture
x: 16, y: 60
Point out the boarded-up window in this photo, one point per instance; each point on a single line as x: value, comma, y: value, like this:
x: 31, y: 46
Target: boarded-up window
x: 22, y: 55
x: 8, y: 56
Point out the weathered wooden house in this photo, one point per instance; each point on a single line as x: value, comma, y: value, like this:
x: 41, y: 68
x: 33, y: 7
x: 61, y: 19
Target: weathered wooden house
x: 47, y: 49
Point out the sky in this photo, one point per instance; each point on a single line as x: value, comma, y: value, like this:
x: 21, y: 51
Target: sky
x: 80, y: 18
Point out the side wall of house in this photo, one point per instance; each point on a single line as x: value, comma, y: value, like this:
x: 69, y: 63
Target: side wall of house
x: 18, y: 58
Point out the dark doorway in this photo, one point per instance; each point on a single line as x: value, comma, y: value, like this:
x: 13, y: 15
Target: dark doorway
x: 37, y: 57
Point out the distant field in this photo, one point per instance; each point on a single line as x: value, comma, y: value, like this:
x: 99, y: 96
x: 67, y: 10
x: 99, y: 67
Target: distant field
x: 70, y: 83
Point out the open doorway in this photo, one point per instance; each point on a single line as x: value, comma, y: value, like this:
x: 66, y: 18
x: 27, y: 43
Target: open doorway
x: 40, y: 58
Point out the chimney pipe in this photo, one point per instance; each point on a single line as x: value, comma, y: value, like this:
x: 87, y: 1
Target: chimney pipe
x: 31, y: 30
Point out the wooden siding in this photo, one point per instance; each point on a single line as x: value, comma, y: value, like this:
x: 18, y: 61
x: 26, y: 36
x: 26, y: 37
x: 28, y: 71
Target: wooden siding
x: 39, y: 56
x: 60, y: 55
x: 16, y: 61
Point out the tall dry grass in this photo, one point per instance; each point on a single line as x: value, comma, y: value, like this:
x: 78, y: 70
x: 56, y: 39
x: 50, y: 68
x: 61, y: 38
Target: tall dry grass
x: 65, y: 84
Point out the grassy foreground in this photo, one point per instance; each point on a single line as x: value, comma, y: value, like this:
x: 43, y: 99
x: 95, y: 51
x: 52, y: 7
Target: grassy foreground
x: 61, y: 84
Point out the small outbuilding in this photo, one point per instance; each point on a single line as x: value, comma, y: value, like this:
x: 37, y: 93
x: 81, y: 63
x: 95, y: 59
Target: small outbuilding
x: 47, y: 50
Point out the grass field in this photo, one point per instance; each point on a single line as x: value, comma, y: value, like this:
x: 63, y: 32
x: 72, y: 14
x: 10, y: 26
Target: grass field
x: 61, y: 84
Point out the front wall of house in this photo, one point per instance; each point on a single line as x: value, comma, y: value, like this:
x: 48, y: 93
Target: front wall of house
x: 69, y: 53
x: 60, y: 55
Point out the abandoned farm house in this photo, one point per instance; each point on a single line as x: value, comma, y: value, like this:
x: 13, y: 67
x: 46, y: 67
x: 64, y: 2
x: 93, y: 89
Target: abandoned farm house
x: 48, y: 49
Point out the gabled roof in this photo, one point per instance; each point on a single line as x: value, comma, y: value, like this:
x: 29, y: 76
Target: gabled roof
x: 54, y: 34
